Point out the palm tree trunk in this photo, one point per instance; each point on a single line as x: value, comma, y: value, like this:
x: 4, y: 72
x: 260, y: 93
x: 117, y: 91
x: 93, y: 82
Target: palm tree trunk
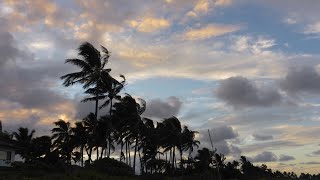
x: 109, y: 148
x: 134, y: 157
x: 89, y: 153
x: 126, y: 152
x: 170, y: 156
x: 105, y: 152
x: 173, y: 157
x: 81, y: 155
x: 97, y: 103
x: 181, y: 165
x: 121, y: 151
x: 97, y: 153
x: 101, y: 152
x: 109, y: 138
x: 141, y: 165
x: 129, y: 149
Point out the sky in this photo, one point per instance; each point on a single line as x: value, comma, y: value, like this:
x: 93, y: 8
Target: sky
x: 247, y: 70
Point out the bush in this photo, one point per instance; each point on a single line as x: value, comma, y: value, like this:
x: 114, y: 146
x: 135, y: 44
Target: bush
x: 58, y: 166
x: 111, y: 167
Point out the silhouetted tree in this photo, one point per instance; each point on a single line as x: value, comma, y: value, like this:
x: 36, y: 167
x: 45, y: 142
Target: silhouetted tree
x: 63, y: 140
x: 92, y: 75
x: 24, y: 138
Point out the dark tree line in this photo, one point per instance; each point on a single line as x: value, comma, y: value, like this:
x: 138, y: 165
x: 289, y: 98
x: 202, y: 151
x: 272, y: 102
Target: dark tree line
x: 164, y: 147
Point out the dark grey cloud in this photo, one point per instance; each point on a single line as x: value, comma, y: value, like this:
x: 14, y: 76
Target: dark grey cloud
x: 223, y: 133
x: 270, y: 145
x: 163, y: 109
x: 310, y: 162
x: 301, y: 79
x: 9, y: 49
x: 314, y: 153
x: 84, y: 108
x: 284, y: 157
x: 29, y: 88
x: 239, y: 92
x: 265, y: 156
x: 261, y: 137
x: 219, y: 136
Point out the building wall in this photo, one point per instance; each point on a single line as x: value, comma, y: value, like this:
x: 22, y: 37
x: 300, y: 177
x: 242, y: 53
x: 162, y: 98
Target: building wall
x: 6, y: 162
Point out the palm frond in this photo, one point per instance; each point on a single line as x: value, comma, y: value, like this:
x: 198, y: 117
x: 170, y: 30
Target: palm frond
x: 106, y: 103
x: 90, y: 54
x: 80, y: 63
x: 92, y: 98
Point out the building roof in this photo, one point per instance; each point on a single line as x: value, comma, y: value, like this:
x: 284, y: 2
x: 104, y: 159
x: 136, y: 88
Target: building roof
x: 6, y: 142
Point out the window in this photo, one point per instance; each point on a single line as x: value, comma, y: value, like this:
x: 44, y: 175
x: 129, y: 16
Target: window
x: 5, y: 155
x: 9, y: 155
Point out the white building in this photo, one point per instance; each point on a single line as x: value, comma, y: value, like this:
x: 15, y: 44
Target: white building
x: 7, y: 151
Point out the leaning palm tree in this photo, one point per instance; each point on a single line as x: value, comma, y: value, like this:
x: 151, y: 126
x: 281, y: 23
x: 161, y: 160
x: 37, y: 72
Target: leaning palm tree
x: 91, y: 124
x: 63, y: 139
x: 24, y: 138
x: 92, y: 74
x: 188, y: 140
x: 171, y: 132
x: 80, y: 138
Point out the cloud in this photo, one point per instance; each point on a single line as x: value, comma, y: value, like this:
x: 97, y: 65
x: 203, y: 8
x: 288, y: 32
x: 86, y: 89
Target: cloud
x: 314, y: 153
x: 29, y: 97
x: 201, y: 6
x: 150, y: 24
x: 260, y: 137
x: 220, y: 136
x: 84, y: 108
x: 163, y: 109
x: 265, y: 156
x: 301, y: 79
x: 313, y: 28
x: 9, y: 49
x: 211, y: 30
x: 310, y: 162
x: 223, y: 2
x: 204, y: 6
x: 223, y: 133
x: 253, y: 45
x: 272, y: 145
x: 240, y: 92
x: 283, y: 157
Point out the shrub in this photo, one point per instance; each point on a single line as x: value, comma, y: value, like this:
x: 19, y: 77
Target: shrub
x: 111, y: 167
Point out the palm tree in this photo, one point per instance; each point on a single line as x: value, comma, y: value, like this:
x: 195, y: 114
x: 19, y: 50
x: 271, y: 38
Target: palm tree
x: 63, y: 139
x: 24, y: 138
x: 40, y: 146
x: 188, y: 141
x: 91, y: 124
x: 171, y: 136
x: 92, y: 72
x: 80, y: 138
x: 204, y: 159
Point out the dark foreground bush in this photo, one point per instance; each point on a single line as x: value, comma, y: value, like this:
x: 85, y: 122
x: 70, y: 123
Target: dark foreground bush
x: 111, y: 167
x: 58, y: 166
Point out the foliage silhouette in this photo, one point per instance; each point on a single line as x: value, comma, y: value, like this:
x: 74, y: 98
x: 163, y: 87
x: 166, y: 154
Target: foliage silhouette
x: 162, y: 147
